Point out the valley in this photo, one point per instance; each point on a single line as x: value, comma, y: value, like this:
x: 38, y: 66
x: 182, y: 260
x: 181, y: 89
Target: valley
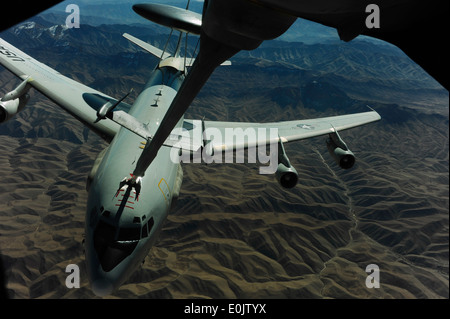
x: 234, y: 233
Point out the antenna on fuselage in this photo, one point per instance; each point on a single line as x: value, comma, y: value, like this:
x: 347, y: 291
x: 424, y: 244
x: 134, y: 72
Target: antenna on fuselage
x: 165, y: 46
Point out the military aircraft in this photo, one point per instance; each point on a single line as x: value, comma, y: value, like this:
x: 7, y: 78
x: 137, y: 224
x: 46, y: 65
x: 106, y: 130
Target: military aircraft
x: 135, y: 180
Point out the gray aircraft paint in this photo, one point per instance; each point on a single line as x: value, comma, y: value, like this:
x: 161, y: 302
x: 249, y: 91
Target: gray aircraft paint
x: 157, y: 185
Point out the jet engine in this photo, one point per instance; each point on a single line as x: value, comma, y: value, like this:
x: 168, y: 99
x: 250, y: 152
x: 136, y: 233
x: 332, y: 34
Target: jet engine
x: 339, y: 151
x: 286, y: 174
x: 13, y: 102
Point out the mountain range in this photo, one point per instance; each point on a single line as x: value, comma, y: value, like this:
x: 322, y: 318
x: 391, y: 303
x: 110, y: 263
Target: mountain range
x: 234, y: 233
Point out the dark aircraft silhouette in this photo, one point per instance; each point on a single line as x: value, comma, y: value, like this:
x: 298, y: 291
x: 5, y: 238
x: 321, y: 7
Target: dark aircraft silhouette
x: 417, y: 27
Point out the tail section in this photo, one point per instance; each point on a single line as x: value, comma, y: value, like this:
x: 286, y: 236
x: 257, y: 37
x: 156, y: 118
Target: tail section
x: 183, y: 20
x: 160, y: 54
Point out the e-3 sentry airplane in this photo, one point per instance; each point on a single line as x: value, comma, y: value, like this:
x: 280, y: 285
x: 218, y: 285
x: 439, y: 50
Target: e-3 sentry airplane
x: 134, y: 181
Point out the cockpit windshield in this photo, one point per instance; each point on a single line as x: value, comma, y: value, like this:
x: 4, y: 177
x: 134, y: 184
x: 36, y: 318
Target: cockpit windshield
x: 112, y: 251
x: 114, y: 244
x: 129, y: 234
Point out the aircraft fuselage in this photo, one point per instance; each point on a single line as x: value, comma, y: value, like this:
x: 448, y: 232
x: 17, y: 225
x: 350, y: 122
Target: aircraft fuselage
x: 122, y: 222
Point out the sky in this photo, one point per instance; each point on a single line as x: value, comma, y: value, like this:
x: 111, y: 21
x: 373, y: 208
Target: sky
x: 301, y: 31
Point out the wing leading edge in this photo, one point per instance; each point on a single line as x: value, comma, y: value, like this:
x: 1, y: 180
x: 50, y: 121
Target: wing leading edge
x: 79, y: 100
x: 84, y: 102
x: 258, y: 134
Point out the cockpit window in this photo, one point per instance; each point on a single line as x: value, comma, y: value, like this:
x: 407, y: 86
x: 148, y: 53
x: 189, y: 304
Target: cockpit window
x: 129, y: 234
x: 147, y: 227
x: 110, y: 251
x: 105, y: 231
x: 144, y: 231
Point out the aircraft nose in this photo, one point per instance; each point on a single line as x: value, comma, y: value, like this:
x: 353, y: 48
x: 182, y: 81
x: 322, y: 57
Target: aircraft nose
x: 102, y: 287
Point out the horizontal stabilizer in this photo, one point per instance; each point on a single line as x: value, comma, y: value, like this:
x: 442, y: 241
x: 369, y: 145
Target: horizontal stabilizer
x: 190, y: 62
x: 158, y: 52
x: 147, y: 47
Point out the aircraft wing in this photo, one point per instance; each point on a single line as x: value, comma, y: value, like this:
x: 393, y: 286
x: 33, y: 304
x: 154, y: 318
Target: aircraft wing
x: 77, y: 99
x: 218, y: 136
x: 223, y: 136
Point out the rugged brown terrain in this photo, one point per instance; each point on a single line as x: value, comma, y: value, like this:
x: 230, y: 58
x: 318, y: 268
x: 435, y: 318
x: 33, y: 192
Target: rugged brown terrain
x: 234, y: 233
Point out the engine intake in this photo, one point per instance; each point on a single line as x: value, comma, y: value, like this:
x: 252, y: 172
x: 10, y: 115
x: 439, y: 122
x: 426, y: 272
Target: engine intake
x: 286, y: 176
x: 339, y: 151
x: 4, y: 115
x: 10, y: 108
x: 13, y: 102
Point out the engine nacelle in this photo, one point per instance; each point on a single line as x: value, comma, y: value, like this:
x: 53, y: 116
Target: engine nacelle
x: 10, y: 108
x: 286, y: 176
x: 13, y: 102
x: 339, y: 151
